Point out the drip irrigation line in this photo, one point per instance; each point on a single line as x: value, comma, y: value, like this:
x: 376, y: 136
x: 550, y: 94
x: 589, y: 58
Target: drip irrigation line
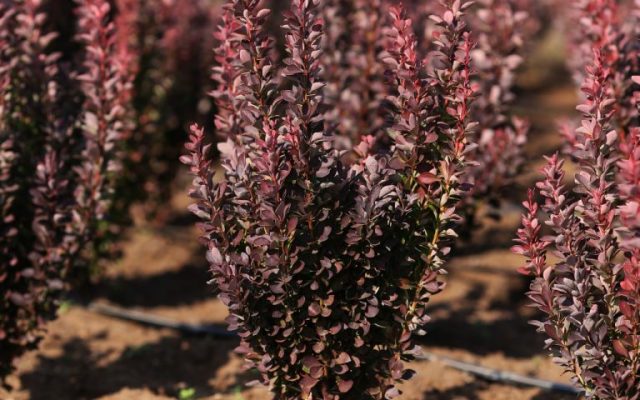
x: 488, y: 374
x: 495, y: 375
x: 160, y: 322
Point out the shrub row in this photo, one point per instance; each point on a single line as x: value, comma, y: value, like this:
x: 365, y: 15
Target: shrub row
x: 95, y: 99
x: 356, y: 90
x: 589, y: 291
x: 60, y: 127
x: 351, y: 137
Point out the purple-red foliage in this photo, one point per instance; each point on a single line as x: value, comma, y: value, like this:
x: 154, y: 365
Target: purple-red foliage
x: 105, y: 81
x: 352, y: 67
x: 327, y: 265
x: 171, y: 41
x: 355, y: 94
x: 501, y: 29
x: 589, y: 290
x: 30, y: 140
x: 614, y: 29
x: 55, y: 165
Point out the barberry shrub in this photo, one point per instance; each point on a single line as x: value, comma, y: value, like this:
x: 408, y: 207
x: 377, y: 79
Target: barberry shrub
x: 171, y: 42
x: 589, y: 291
x: 59, y: 134
x: 165, y: 46
x: 613, y: 27
x: 327, y: 265
x: 356, y: 91
x: 502, y: 29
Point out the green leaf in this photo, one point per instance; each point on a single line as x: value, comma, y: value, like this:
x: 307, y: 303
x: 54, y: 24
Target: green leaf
x: 187, y: 394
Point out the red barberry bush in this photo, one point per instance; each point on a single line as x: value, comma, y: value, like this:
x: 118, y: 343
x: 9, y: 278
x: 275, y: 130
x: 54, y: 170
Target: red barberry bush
x: 171, y: 41
x: 327, y: 263
x: 502, y: 29
x: 59, y: 135
x: 165, y: 46
x: 588, y: 287
x: 356, y: 92
x: 613, y: 27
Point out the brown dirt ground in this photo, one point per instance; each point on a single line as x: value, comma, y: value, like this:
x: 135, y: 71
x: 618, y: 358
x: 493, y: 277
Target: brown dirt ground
x: 481, y: 317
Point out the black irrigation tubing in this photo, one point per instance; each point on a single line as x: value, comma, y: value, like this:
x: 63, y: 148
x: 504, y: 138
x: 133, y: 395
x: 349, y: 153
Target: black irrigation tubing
x: 160, y: 322
x: 495, y: 375
x: 488, y: 374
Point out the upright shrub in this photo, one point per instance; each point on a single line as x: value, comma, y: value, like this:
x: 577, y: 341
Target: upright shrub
x: 589, y: 292
x: 56, y: 163
x: 501, y: 29
x: 165, y: 46
x: 353, y: 68
x: 356, y: 90
x: 106, y: 82
x: 326, y: 265
x: 613, y: 27
x: 172, y: 43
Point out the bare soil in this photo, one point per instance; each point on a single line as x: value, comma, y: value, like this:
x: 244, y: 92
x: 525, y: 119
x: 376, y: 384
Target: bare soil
x: 482, y: 316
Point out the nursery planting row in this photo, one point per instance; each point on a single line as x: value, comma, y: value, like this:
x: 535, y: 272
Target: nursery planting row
x: 341, y: 150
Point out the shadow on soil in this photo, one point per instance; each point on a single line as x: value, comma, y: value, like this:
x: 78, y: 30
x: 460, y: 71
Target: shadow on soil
x: 467, y: 392
x: 460, y: 328
x: 184, y: 286
x: 78, y: 373
x: 472, y: 391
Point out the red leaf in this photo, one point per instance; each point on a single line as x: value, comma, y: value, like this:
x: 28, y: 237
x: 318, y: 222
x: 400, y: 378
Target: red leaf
x: 314, y: 309
x: 345, y: 386
x: 619, y: 347
x: 427, y: 178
